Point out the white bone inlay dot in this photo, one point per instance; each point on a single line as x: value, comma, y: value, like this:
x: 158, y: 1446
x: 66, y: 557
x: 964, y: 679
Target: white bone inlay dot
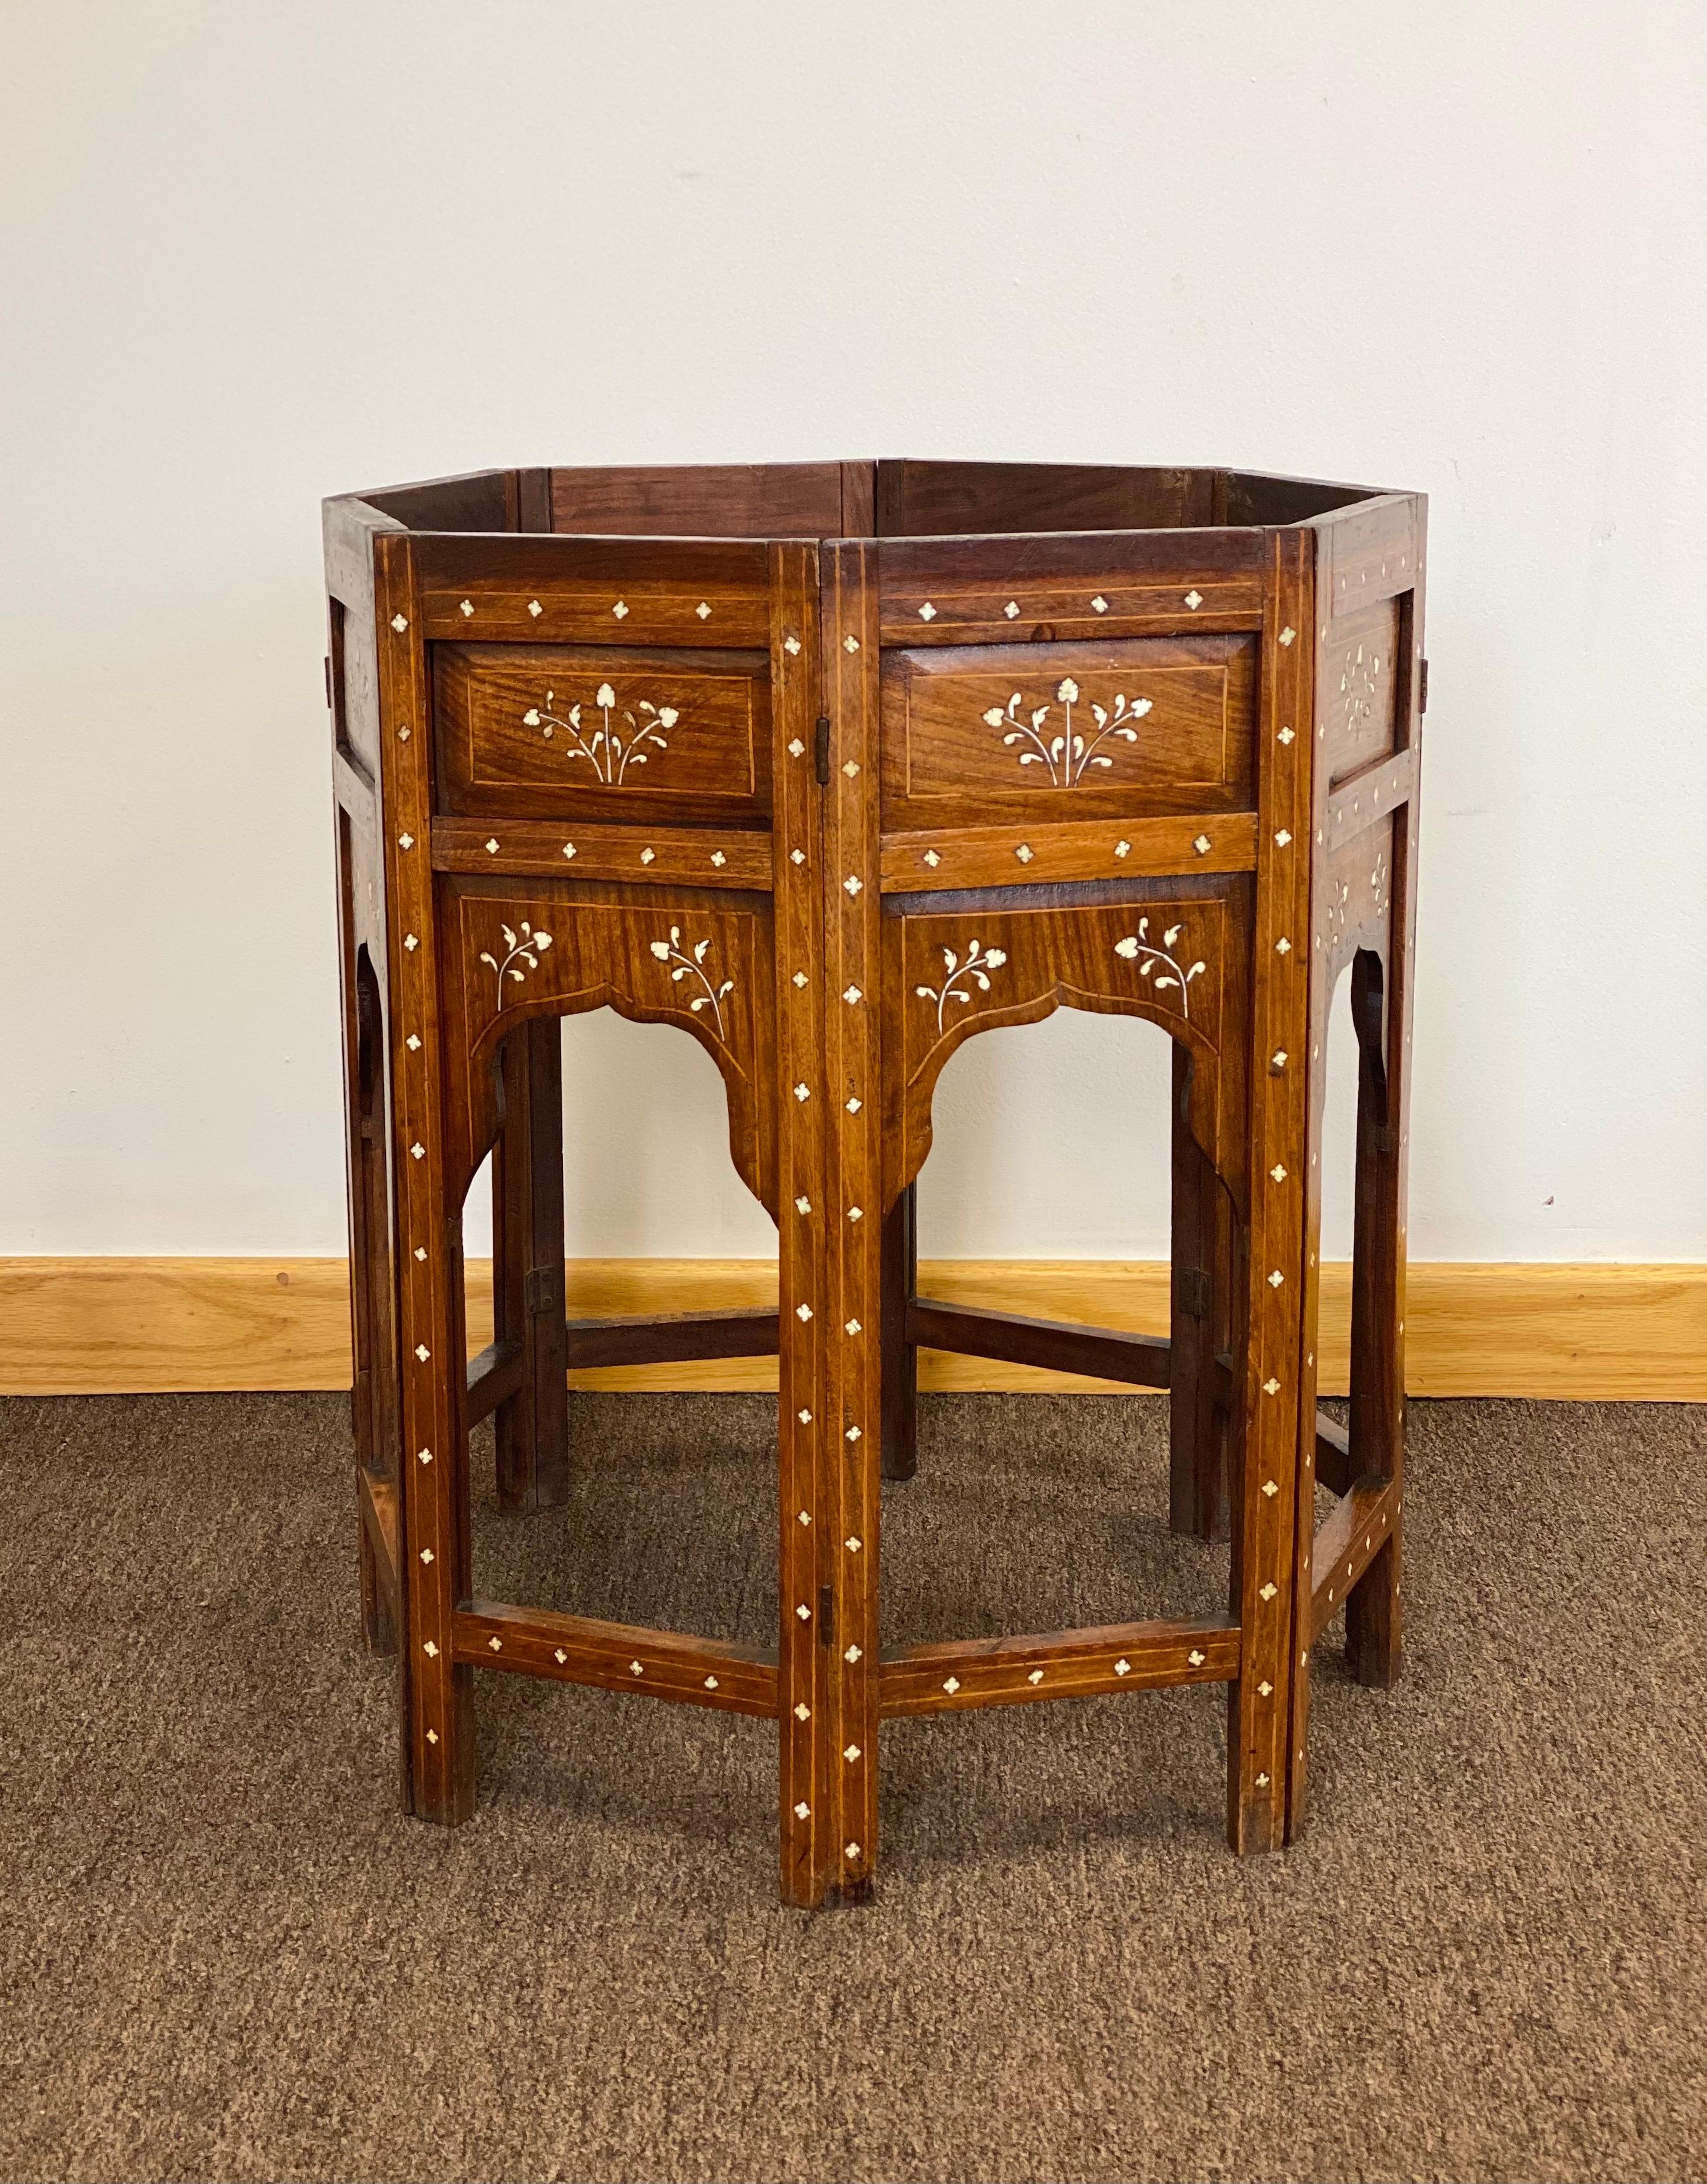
x: 411, y: 943
x: 1261, y: 1781
x: 852, y: 1327
x: 646, y: 856
x: 417, y: 1152
x: 855, y: 1213
x: 927, y: 612
x: 496, y: 1644
x: 399, y: 623
x: 853, y: 883
x: 406, y: 841
x: 851, y: 768
x: 1194, y: 600
x: 803, y: 1205
x: 799, y: 977
x: 1283, y: 946
x: 851, y: 1655
x: 432, y: 1737
x: 803, y: 1091
x: 803, y: 1312
x: 620, y: 609
x: 804, y: 1612
x: 797, y: 856
x: 1278, y: 1173
x: 1264, y: 1690
x: 702, y: 610
x: 1035, y: 1677
x: 803, y: 1811
x: 535, y: 609
x: 1282, y: 838
x: 1123, y: 849
x: 797, y: 748
x: 1122, y: 1668
x: 1287, y: 634
x: 850, y: 1850
x: 1266, y: 1591
x: 560, y: 1657
x: 932, y: 859
x: 1271, y: 1387
x: 1286, y: 736
x: 403, y: 735
x: 426, y: 1554
x: 413, y: 1043
x: 852, y: 1545
x: 803, y: 1712
x: 431, y: 1650
x: 1195, y: 1658
x: 423, y: 1455
x: 1099, y: 605
x: 850, y: 644
x: 422, y: 1352
x: 568, y: 848
x: 854, y: 1106
x: 1276, y: 1279
x: 853, y: 1432
x: 850, y: 1754
x: 852, y: 995
x: 711, y: 1683
x: 1012, y: 609
x: 951, y: 1684
x: 1270, y: 1489
x: 1202, y: 845
x: 465, y: 607
x: 1023, y: 853
x: 492, y: 846
x: 719, y: 858
x: 420, y: 1253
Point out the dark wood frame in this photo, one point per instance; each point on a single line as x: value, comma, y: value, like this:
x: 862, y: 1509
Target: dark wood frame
x: 822, y: 893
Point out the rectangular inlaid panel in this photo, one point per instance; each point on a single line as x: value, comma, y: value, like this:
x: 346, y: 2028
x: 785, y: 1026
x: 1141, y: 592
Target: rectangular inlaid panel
x: 972, y: 733
x: 603, y: 733
x: 1356, y: 720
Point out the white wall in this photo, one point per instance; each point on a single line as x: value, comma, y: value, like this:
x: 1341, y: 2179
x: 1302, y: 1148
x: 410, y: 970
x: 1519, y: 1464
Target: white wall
x: 251, y: 255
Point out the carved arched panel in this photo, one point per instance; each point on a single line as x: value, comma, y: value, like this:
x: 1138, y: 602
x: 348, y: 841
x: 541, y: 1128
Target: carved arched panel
x: 701, y: 960
x: 1355, y: 886
x: 1173, y: 953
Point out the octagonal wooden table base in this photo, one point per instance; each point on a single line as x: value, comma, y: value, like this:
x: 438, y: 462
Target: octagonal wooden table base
x: 836, y: 766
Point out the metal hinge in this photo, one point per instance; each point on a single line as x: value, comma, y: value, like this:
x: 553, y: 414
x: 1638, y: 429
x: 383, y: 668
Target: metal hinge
x: 827, y: 1616
x: 821, y: 749
x: 1422, y: 689
x: 542, y: 1290
x: 1192, y: 1291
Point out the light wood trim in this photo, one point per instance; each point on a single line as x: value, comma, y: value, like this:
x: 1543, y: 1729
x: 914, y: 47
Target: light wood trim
x: 91, y: 1326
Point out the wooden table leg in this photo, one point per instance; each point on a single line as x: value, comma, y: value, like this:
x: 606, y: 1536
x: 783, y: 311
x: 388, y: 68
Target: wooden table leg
x: 532, y: 1426
x: 1373, y: 1629
x: 899, y: 1356
x: 1201, y: 1306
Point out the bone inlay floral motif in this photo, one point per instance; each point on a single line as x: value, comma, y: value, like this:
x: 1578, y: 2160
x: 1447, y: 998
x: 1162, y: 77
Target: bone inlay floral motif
x: 690, y: 964
x: 605, y: 748
x: 1157, y: 961
x: 1067, y: 754
x: 525, y: 947
x: 980, y: 960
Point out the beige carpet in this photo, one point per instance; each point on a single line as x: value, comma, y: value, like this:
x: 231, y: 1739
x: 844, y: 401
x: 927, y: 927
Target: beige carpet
x: 224, y: 1954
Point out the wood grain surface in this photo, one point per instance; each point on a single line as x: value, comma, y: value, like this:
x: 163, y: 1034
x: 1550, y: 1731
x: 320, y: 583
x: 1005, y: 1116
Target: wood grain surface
x: 137, y: 1326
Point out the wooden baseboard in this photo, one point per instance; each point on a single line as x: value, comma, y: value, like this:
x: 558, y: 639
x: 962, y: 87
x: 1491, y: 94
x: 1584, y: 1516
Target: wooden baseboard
x: 129, y: 1326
